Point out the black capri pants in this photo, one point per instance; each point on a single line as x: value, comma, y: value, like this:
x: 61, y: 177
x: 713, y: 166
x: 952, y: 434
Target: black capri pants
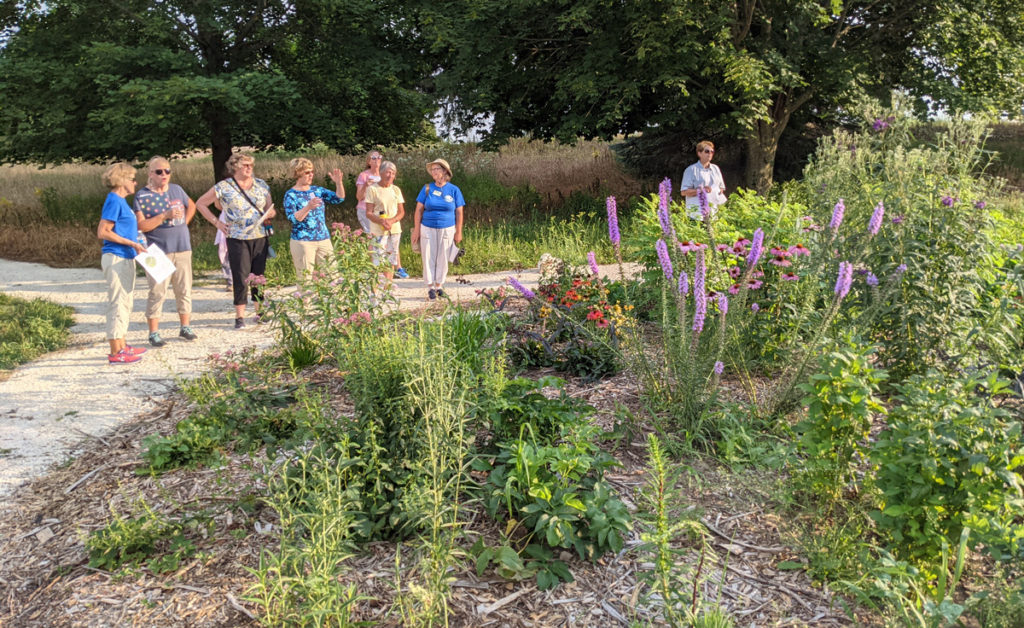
x: 245, y: 257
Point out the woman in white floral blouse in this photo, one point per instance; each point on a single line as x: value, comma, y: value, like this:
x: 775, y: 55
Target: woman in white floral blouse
x: 247, y: 210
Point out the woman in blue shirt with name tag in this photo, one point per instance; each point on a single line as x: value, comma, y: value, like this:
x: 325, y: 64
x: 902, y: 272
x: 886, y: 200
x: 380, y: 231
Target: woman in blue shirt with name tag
x: 437, y: 225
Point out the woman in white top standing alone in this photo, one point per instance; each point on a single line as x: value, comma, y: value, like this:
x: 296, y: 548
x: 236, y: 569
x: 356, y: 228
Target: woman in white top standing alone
x: 706, y: 176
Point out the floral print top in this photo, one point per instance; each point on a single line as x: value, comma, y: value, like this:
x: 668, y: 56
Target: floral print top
x: 314, y: 227
x: 239, y: 214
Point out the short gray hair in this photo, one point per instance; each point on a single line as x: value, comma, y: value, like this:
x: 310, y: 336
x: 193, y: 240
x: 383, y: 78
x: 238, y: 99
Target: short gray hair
x: 388, y: 165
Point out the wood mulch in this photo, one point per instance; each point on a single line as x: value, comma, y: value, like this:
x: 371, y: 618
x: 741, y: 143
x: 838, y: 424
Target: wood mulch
x: 45, y: 579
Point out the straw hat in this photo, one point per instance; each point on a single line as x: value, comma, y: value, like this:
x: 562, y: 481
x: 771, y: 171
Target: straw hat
x: 443, y: 164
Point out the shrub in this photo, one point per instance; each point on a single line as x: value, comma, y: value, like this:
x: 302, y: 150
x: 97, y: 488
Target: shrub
x: 841, y: 401
x: 950, y: 460
x: 934, y: 226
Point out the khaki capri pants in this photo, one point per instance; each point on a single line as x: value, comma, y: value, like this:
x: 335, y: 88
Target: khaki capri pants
x: 119, y: 273
x: 180, y: 282
x: 307, y: 254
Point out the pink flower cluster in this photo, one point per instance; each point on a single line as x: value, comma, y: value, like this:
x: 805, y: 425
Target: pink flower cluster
x: 355, y: 320
x: 255, y: 280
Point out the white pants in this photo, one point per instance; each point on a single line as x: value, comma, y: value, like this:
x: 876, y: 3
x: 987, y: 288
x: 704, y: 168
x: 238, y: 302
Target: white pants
x: 386, y: 247
x: 434, y: 245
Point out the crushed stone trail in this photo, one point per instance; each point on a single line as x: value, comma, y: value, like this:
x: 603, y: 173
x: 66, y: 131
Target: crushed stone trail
x: 49, y: 406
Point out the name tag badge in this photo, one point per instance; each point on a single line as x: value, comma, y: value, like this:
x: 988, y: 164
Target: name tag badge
x: 437, y: 192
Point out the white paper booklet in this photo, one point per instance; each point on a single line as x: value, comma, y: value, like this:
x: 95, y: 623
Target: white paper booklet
x: 156, y: 264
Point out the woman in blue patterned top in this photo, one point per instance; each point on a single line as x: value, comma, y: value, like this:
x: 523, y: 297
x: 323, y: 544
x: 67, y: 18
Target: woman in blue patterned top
x: 247, y: 209
x: 304, y: 206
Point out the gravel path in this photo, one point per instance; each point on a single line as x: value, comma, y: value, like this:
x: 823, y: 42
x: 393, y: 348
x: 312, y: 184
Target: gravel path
x: 47, y: 407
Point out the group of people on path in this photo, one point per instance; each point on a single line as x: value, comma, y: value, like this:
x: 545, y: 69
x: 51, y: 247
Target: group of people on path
x: 163, y: 210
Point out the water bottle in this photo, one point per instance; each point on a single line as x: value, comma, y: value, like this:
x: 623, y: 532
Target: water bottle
x: 269, y: 229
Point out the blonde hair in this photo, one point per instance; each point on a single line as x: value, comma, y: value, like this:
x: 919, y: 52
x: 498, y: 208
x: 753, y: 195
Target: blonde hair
x: 157, y: 159
x: 119, y: 175
x: 236, y: 160
x: 705, y: 144
x: 299, y: 166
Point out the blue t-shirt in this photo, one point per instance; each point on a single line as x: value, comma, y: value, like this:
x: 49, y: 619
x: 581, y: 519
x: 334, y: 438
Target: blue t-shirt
x: 439, y: 205
x: 116, y: 210
x: 171, y: 236
x: 314, y: 227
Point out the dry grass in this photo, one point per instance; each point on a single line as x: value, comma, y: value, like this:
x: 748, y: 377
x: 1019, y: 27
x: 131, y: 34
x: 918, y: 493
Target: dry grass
x: 554, y: 170
x: 557, y: 170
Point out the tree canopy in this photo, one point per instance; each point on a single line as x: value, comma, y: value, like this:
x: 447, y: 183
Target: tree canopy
x: 94, y: 79
x: 596, y: 68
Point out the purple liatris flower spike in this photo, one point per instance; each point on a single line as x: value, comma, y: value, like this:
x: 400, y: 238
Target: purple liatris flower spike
x: 844, y: 279
x: 723, y: 304
x: 592, y: 261
x: 699, y: 272
x: 613, y: 221
x: 523, y: 290
x: 702, y: 201
x: 664, y: 215
x: 756, y: 247
x: 719, y: 367
x: 876, y: 219
x: 700, y: 299
x: 902, y: 268
x: 700, y: 310
x: 755, y: 308
x: 948, y: 201
x: 837, y: 215
x: 979, y: 205
x: 663, y: 258
x: 684, y: 282
x: 872, y: 280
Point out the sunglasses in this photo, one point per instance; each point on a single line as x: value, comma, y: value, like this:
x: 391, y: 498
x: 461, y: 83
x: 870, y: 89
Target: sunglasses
x: 708, y: 150
x: 162, y: 171
x: 377, y: 158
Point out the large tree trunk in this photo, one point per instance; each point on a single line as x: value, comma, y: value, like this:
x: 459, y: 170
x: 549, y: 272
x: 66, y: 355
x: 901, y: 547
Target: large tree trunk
x: 760, y: 167
x: 763, y: 140
x: 220, y: 143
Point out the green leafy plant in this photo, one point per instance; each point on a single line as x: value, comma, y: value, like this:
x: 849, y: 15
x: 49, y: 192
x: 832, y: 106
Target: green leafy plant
x: 556, y: 493
x: 950, y: 460
x: 841, y: 402
x: 152, y: 538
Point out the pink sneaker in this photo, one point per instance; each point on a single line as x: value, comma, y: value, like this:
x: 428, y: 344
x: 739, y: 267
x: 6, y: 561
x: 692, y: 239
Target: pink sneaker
x: 134, y: 350
x: 123, y: 357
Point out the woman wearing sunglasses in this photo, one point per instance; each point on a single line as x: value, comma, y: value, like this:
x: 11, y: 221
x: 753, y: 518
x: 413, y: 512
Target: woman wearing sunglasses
x: 164, y: 211
x: 706, y: 176
x: 310, y: 243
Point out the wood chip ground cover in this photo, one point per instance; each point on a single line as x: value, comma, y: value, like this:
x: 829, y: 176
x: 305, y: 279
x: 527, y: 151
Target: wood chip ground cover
x: 45, y: 579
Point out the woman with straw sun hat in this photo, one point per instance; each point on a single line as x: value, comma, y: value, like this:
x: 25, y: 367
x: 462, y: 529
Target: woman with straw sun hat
x: 437, y: 225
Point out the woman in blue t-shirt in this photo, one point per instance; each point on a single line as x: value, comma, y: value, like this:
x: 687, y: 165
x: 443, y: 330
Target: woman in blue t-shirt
x: 437, y: 226
x: 119, y: 231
